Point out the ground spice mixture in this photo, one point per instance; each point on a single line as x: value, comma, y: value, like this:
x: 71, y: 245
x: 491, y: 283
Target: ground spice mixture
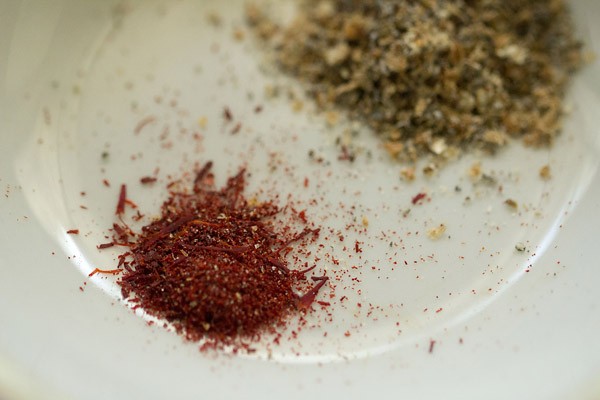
x: 433, y: 76
x: 215, y: 265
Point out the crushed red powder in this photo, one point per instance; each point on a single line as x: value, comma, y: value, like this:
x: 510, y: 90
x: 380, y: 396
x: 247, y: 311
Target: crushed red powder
x: 215, y: 265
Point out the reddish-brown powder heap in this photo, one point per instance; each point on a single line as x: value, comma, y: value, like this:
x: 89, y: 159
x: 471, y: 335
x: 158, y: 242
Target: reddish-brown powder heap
x: 215, y: 266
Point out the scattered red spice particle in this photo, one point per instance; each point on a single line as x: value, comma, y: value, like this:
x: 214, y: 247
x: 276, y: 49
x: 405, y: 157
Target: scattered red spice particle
x: 305, y: 182
x: 138, y: 216
x: 146, y: 180
x: 105, y: 271
x: 214, y: 264
x: 73, y: 231
x: 418, y: 197
x: 431, y: 345
x: 130, y: 203
x: 106, y: 182
x: 357, y: 247
x: 105, y: 245
x: 302, y: 216
x: 122, y: 199
x: 258, y: 109
x: 307, y: 299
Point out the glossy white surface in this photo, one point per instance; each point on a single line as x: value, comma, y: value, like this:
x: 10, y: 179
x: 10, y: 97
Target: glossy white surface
x: 75, y: 80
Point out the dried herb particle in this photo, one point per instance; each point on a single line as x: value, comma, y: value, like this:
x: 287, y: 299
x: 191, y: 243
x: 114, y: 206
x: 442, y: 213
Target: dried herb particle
x: 545, y: 172
x: 437, y: 232
x: 512, y: 204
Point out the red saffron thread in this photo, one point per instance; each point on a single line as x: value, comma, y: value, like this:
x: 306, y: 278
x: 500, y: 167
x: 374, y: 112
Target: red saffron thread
x: 418, y: 197
x: 105, y: 271
x: 308, y: 298
x: 122, y: 200
x: 431, y: 345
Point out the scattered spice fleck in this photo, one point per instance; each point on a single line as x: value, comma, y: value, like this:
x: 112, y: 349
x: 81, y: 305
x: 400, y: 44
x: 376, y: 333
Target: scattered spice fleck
x: 418, y: 197
x: 122, y: 200
x: 105, y: 271
x: 143, y: 123
x: 73, y: 231
x: 545, y: 172
x: 437, y: 232
x: 236, y: 129
x: 357, y: 247
x: 512, y: 204
x: 520, y: 246
x: 238, y: 34
x: 475, y: 171
x: 431, y: 345
x: 214, y: 18
x: 408, y: 174
x: 332, y: 118
x: 227, y: 115
x: 430, y: 169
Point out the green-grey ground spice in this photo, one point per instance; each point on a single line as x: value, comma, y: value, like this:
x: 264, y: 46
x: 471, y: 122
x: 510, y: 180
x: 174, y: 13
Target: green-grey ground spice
x: 433, y: 76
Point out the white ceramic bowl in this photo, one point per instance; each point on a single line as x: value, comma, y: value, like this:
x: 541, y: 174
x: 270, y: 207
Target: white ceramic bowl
x: 77, y: 78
